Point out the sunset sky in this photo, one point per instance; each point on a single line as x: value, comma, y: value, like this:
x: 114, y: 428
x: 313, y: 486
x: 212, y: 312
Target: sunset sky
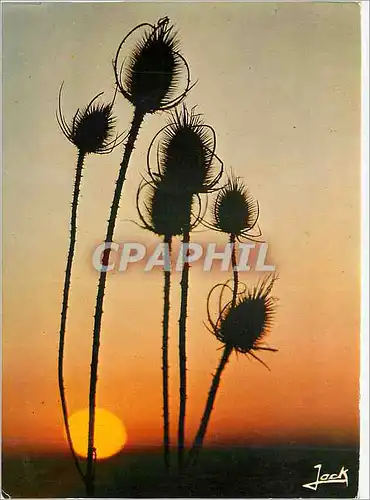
x: 280, y: 83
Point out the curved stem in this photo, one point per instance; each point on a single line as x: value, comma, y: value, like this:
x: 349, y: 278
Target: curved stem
x: 165, y: 368
x: 182, y: 348
x: 134, y: 131
x: 63, y: 320
x: 199, y: 438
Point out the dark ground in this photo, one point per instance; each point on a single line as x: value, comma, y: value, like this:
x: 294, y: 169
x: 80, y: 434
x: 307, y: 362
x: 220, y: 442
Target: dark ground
x: 223, y: 472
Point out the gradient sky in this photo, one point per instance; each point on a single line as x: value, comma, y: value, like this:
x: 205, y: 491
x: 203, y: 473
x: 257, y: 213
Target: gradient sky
x: 280, y: 83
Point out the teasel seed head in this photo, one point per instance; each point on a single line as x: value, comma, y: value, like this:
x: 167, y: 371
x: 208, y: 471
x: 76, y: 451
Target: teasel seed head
x: 161, y: 211
x: 92, y: 128
x: 186, y: 158
x: 245, y: 326
x: 151, y: 75
x: 235, y: 211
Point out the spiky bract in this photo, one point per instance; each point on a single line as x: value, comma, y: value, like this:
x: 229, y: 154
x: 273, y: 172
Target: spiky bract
x: 165, y: 213
x: 92, y: 128
x: 186, y: 159
x: 235, y: 211
x: 151, y: 75
x: 245, y: 326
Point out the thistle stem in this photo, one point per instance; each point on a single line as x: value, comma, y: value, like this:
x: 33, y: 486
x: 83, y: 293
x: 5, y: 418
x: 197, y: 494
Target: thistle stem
x: 166, y: 313
x: 63, y: 321
x: 199, y: 438
x: 182, y: 349
x: 235, y: 270
x: 134, y: 131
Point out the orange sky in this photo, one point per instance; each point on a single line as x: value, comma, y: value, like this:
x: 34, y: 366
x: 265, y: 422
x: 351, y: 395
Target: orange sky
x: 280, y: 83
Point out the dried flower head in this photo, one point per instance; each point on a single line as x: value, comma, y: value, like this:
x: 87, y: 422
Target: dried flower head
x: 162, y: 212
x: 150, y: 76
x: 235, y: 211
x: 245, y: 326
x: 92, y: 128
x: 186, y: 158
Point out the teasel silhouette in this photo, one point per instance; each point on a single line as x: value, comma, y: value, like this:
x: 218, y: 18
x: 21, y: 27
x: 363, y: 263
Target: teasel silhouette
x: 186, y: 163
x: 241, y: 326
x: 149, y: 78
x: 91, y: 131
x: 165, y: 214
x: 235, y: 212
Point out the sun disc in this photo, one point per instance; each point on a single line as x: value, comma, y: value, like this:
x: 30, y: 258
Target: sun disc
x: 110, y: 433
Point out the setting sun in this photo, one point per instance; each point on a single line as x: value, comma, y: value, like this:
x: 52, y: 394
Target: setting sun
x: 110, y: 433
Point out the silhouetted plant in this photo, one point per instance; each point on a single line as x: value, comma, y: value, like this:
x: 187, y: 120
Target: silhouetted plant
x: 186, y: 163
x: 235, y: 212
x: 165, y: 214
x: 186, y: 154
x: 149, y: 78
x: 241, y: 326
x: 91, y: 131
